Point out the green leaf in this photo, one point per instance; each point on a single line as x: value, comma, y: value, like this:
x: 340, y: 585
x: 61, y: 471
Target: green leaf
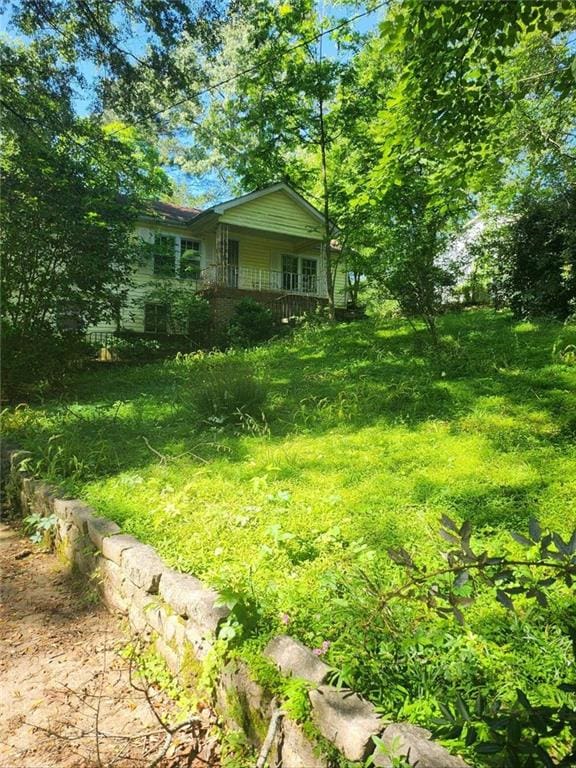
x: 466, y: 530
x: 561, y: 546
x: 547, y: 761
x: 447, y: 522
x: 523, y: 699
x: 462, y: 708
x: 504, y: 600
x: 521, y: 539
x: 458, y: 615
x: 449, y: 537
x: 446, y: 712
x: 461, y: 579
x: 535, y: 529
x: 489, y: 748
x: 541, y: 598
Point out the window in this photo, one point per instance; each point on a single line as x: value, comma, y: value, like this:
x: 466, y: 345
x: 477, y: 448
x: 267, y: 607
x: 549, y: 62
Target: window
x: 69, y: 318
x: 190, y: 263
x: 299, y: 274
x: 309, y: 275
x: 165, y: 255
x: 156, y: 318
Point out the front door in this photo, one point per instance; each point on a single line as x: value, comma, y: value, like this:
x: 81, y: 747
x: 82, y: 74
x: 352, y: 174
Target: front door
x: 232, y: 262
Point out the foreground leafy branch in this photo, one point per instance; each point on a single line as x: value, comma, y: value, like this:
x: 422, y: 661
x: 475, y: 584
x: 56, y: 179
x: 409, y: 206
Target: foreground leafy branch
x: 524, y: 734
x: 447, y: 589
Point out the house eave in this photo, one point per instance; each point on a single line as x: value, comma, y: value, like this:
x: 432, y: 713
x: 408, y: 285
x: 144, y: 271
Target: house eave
x: 204, y: 220
x: 279, y: 186
x: 164, y: 221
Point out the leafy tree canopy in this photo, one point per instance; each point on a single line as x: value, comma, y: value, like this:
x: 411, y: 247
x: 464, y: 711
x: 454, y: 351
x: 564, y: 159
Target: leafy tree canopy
x: 134, y: 48
x: 71, y: 192
x: 466, y: 73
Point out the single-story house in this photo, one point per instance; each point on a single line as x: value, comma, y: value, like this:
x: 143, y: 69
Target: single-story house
x: 266, y: 244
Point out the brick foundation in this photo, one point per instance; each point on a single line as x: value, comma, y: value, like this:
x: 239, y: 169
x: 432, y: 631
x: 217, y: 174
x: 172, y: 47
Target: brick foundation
x: 225, y: 300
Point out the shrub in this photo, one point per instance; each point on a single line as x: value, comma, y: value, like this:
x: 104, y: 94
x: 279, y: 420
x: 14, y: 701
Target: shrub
x: 476, y: 679
x: 189, y: 314
x: 564, y: 350
x: 531, y: 258
x: 227, y: 395
x: 33, y: 363
x: 135, y: 348
x: 199, y: 323
x: 251, y: 324
x: 318, y: 317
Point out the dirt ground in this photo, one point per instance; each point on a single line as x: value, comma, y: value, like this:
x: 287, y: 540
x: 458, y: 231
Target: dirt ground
x: 66, y: 698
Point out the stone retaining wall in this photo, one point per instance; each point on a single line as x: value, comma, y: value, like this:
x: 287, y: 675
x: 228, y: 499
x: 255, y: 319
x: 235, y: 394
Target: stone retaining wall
x: 181, y: 616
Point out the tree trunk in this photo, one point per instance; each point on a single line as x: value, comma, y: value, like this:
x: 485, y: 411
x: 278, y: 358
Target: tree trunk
x: 330, y: 276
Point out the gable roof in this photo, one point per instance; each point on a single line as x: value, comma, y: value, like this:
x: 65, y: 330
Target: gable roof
x: 179, y: 214
x: 279, y: 186
x: 170, y: 213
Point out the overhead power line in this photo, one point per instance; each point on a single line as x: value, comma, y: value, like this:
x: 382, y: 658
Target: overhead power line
x: 208, y: 89
x: 255, y: 67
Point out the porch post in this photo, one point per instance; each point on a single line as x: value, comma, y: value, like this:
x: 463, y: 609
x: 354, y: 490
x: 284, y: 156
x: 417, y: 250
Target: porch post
x: 324, y: 269
x: 222, y: 253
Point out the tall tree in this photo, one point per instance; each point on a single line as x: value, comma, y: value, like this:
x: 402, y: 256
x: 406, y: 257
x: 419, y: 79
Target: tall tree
x: 455, y: 107
x: 273, y: 119
x: 71, y: 192
x: 132, y: 56
x: 460, y: 80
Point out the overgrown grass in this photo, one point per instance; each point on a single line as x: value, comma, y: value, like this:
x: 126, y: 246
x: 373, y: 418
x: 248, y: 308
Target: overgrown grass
x: 368, y: 435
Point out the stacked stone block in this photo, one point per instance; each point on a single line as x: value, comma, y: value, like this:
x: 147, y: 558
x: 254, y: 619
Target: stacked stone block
x: 182, y: 616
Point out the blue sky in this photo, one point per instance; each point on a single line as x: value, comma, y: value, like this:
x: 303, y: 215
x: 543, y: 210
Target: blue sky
x: 84, y: 96
x: 138, y: 41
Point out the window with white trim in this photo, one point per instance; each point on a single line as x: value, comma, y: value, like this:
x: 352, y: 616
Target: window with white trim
x: 309, y: 275
x: 190, y: 259
x: 165, y: 255
x: 289, y: 272
x: 299, y: 274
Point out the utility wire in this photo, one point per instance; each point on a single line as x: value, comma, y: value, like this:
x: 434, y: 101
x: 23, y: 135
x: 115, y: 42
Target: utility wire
x: 256, y: 67
x: 208, y: 89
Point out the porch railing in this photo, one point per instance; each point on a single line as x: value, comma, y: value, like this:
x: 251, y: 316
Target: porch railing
x: 249, y: 278
x: 100, y: 338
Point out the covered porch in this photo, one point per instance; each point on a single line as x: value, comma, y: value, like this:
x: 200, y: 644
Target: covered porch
x: 248, y: 259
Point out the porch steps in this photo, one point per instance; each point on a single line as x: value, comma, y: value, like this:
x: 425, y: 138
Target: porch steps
x: 289, y: 306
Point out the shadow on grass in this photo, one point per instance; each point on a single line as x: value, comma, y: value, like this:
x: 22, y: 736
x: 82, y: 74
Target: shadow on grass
x: 340, y: 377
x: 506, y: 506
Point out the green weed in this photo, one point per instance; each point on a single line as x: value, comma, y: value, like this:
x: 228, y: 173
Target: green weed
x: 370, y: 436
x: 40, y: 528
x: 229, y: 395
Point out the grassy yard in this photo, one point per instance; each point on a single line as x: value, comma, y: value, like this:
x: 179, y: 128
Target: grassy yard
x: 370, y: 435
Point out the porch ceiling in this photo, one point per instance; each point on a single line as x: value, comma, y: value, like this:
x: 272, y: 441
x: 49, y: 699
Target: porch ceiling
x: 210, y: 224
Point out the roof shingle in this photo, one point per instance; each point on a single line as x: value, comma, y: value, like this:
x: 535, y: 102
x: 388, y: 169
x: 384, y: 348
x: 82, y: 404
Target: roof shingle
x: 168, y: 212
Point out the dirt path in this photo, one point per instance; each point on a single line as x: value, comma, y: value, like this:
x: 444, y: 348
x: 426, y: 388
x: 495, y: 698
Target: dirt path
x: 62, y: 681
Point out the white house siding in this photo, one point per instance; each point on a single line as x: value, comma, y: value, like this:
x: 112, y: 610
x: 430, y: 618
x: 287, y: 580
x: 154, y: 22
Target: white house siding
x: 340, y: 286
x: 259, y: 252
x: 143, y: 280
